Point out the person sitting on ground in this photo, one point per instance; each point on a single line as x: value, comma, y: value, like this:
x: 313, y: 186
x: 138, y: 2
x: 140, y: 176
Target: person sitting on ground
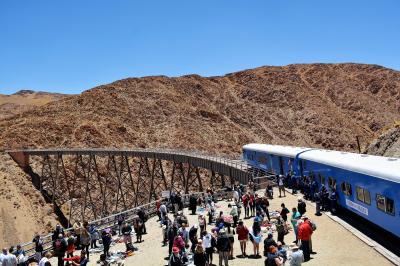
x: 175, y: 259
x: 243, y: 237
x: 282, y: 252
x: 46, y: 258
x: 273, y: 258
x: 200, y: 257
x: 297, y: 256
x: 269, y: 241
x: 78, y: 260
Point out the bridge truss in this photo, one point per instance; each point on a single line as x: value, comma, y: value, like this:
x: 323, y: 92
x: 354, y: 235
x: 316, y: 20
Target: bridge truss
x: 91, y: 184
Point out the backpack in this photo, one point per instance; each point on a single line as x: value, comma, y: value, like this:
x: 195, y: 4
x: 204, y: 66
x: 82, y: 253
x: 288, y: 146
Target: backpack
x: 313, y: 226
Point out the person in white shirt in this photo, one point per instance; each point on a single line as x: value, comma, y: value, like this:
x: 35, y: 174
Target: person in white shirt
x: 9, y: 259
x: 207, y: 245
x: 45, y: 259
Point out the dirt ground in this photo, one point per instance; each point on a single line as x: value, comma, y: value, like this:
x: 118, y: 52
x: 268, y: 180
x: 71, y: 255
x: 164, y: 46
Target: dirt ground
x: 334, y: 244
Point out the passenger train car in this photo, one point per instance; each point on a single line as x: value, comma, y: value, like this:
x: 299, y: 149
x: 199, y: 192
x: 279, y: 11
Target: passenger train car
x: 366, y: 185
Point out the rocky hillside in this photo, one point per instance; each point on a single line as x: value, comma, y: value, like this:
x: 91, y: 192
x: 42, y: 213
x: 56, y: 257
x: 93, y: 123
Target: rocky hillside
x: 317, y: 105
x: 322, y: 105
x: 387, y: 144
x: 25, y: 100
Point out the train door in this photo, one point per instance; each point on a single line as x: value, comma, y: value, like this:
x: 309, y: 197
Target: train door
x: 281, y: 165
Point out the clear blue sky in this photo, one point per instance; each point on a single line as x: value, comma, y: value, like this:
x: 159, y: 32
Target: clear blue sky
x: 71, y: 46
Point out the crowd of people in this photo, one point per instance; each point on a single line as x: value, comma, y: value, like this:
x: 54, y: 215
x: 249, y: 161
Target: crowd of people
x: 209, y: 240
x: 201, y: 241
x: 73, y: 247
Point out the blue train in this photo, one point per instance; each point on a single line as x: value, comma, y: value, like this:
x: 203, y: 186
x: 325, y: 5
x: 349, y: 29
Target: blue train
x: 366, y: 185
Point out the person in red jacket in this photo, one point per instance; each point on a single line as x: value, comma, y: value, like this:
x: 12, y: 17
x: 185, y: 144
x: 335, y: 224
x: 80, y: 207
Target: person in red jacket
x: 243, y: 237
x: 304, y: 234
x: 245, y: 200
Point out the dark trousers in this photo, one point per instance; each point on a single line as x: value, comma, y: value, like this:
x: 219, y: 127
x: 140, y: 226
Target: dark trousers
x: 209, y: 254
x: 60, y: 260
x: 106, y: 249
x: 246, y: 211
x: 281, y: 236
x: 86, y: 248
x: 305, y: 247
x: 170, y: 244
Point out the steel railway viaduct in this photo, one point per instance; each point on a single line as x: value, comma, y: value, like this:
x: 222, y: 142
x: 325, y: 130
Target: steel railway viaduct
x: 89, y: 184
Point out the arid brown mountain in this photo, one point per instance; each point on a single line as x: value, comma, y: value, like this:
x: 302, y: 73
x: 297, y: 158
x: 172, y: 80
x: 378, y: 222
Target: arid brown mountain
x: 25, y: 100
x: 325, y: 105
x: 317, y: 105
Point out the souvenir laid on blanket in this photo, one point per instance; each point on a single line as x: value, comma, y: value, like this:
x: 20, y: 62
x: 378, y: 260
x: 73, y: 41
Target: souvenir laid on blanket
x: 201, y: 210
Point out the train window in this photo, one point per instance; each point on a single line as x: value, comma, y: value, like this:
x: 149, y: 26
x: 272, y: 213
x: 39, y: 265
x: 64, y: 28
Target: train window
x: 380, y: 202
x: 390, y: 206
x: 321, y: 179
x: 346, y: 188
x: 331, y: 182
x: 363, y: 195
x: 385, y: 204
x: 367, y: 197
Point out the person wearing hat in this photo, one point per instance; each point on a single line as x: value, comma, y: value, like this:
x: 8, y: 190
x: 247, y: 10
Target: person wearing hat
x: 199, y: 257
x: 175, y: 259
x: 223, y: 247
x: 297, y: 256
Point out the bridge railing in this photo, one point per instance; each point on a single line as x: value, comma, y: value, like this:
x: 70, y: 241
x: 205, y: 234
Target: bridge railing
x: 111, y: 220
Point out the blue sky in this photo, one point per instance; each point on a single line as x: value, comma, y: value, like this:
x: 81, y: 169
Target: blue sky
x: 71, y: 46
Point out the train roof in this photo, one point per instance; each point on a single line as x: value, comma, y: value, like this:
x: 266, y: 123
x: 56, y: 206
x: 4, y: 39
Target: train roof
x: 276, y: 149
x: 378, y: 166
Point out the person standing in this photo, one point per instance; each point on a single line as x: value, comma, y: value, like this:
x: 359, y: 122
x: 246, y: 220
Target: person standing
x: 94, y: 236
x: 46, y: 258
x: 281, y: 186
x: 243, y: 236
x: 199, y: 257
x: 8, y: 259
x: 126, y: 232
x: 60, y: 247
x: 304, y: 235
x: 281, y: 229
x: 223, y: 247
x: 245, y: 201
x: 301, y: 206
x: 295, y: 218
x: 85, y: 241
x: 143, y: 216
x: 284, y: 212
x: 38, y: 241
x: 235, y: 215
x: 208, y: 246
x: 193, y: 237
x: 193, y: 204
x: 297, y: 256
x: 106, y: 239
x: 175, y: 259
